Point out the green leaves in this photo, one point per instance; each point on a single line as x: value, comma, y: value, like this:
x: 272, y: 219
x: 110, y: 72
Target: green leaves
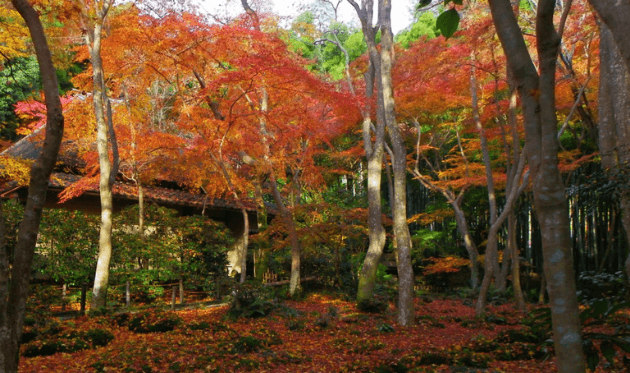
x: 448, y: 22
x: 422, y: 3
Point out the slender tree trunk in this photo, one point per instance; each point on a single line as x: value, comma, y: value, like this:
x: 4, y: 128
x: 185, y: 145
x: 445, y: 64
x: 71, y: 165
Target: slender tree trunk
x: 376, y: 232
x: 469, y: 244
x: 491, y: 262
x: 14, y: 281
x: 374, y: 151
x: 538, y: 101
x: 294, y: 283
x: 262, y: 262
x: 514, y: 188
x: 64, y: 294
x: 516, y: 270
x: 287, y: 216
x: 492, y: 195
x: 181, y: 290
x: 491, y: 247
x: 245, y: 244
x: 512, y: 219
x: 99, y: 96
x: 399, y: 211
x: 84, y: 289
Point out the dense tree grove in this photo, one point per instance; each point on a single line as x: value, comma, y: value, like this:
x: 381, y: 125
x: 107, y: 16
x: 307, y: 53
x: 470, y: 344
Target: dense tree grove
x: 483, y: 148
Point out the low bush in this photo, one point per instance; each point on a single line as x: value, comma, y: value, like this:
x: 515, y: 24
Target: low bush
x: 374, y: 305
x: 99, y: 337
x: 595, y: 285
x: 154, y: 321
x: 252, y: 299
x: 66, y: 339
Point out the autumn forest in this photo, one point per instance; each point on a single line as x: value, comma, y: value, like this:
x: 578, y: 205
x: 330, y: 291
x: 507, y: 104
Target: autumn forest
x: 189, y: 191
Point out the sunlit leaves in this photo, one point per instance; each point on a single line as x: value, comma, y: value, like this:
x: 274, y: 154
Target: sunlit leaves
x: 15, y: 169
x: 32, y: 114
x: 446, y: 265
x: 13, y: 33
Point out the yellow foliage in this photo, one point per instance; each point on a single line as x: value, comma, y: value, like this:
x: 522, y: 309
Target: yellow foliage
x: 15, y: 169
x: 13, y: 33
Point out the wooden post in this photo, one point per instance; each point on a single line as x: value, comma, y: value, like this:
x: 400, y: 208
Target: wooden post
x: 217, y: 285
x: 181, y: 291
x: 64, y: 291
x: 83, y: 296
x: 173, y: 298
x: 127, y: 295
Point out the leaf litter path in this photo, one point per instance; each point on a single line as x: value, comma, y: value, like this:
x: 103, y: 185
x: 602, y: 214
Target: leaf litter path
x: 319, y: 334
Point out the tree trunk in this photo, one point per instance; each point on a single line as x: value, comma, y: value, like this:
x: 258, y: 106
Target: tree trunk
x: 100, y: 99
x: 294, y: 283
x: 513, y: 189
x: 296, y: 252
x: 261, y: 264
x: 245, y: 244
x: 84, y: 288
x: 376, y: 232
x: 399, y: 210
x: 516, y: 270
x: 469, y: 244
x: 287, y: 215
x: 374, y: 151
x: 616, y: 16
x: 491, y: 261
x: 14, y: 286
x: 141, y: 211
x: 492, y: 195
x: 614, y: 117
x: 181, y: 290
x: 538, y: 101
x: 64, y: 294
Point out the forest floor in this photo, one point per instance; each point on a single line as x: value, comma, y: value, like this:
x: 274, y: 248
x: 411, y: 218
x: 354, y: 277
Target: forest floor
x: 318, y: 334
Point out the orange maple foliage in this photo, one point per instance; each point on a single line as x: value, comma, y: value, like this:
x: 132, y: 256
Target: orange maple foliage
x: 446, y: 265
x: 208, y: 82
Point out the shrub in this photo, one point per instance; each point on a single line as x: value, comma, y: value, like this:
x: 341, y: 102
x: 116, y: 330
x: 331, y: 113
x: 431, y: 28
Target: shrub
x: 154, y: 321
x: 521, y: 336
x: 251, y: 300
x: 374, y: 305
x: 482, y: 344
x: 52, y: 346
x: 201, y: 325
x: 385, y: 328
x: 60, y: 339
x: 296, y: 324
x: 519, y: 351
x: 594, y: 285
x: 248, y: 344
x: 99, y: 337
x: 121, y: 319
